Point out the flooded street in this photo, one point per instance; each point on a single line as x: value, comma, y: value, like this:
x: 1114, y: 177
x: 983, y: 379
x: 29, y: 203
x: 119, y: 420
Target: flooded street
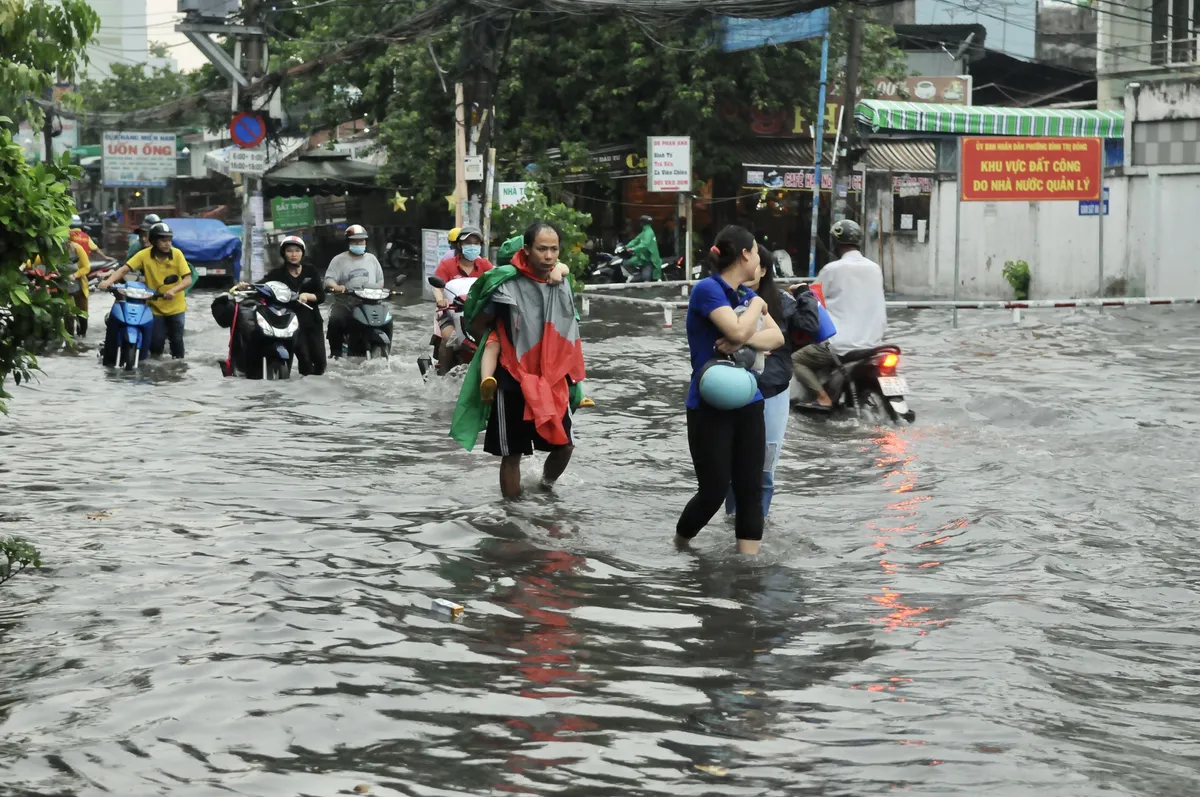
x: 997, y: 600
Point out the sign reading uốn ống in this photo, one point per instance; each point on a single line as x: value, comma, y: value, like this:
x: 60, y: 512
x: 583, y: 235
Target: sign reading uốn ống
x: 131, y: 159
x: 1022, y: 168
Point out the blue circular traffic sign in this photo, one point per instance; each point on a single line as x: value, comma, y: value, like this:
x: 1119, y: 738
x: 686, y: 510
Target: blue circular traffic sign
x: 247, y: 129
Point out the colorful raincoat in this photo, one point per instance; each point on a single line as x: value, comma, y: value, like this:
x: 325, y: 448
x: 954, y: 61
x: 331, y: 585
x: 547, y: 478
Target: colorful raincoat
x: 540, y: 349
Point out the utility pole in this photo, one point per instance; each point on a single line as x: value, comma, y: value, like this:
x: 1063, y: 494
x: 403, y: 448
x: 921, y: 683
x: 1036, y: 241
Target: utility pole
x: 252, y: 256
x: 487, y: 34
x: 212, y: 17
x: 845, y: 165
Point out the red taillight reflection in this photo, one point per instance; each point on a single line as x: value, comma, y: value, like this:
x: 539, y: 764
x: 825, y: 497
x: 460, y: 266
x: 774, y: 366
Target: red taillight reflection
x: 888, y: 363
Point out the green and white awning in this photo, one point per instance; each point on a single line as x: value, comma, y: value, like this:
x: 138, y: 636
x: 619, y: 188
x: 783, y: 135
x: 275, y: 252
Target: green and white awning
x: 989, y: 121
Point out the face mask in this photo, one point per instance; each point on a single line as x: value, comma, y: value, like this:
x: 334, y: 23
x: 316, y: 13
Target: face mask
x: 358, y: 249
x: 472, y: 252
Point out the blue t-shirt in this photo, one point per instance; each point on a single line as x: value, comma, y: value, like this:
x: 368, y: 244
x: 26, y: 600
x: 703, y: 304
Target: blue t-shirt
x: 702, y: 334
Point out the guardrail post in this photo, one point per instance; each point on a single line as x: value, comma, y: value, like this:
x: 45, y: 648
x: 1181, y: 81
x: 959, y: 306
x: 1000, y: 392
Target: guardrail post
x: 587, y: 306
x: 1016, y: 315
x: 667, y: 312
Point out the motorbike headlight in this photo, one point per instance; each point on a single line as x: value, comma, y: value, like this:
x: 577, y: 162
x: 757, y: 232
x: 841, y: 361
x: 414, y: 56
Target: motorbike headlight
x: 291, y: 328
x: 263, y: 326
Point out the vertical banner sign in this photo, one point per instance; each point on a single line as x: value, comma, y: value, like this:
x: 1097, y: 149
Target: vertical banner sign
x: 258, y: 239
x: 435, y: 244
x: 669, y: 164
x: 137, y: 159
x: 1003, y: 169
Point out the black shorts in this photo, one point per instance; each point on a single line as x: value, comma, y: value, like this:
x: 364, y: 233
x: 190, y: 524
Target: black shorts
x: 509, y: 434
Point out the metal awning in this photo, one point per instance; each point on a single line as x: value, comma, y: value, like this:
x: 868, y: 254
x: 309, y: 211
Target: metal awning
x: 318, y: 167
x: 907, y: 155
x: 989, y: 121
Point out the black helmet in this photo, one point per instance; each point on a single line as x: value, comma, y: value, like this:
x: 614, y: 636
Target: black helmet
x: 160, y: 230
x: 644, y: 220
x: 846, y: 233
x: 149, y: 220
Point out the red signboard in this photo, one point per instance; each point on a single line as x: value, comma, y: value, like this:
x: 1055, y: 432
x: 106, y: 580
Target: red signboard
x: 999, y: 169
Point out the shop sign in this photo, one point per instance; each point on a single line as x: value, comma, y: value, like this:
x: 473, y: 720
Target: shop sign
x: 1021, y: 168
x: 792, y: 179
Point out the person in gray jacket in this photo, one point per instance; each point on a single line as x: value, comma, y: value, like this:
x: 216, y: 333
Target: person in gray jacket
x: 349, y: 271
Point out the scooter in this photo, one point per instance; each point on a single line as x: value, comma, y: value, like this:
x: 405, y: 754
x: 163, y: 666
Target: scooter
x: 134, y: 319
x: 370, y: 331
x: 460, y: 347
x: 865, y: 381
x: 262, y: 332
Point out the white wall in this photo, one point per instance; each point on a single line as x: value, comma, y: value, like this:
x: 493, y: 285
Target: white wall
x: 1151, y: 244
x: 123, y: 36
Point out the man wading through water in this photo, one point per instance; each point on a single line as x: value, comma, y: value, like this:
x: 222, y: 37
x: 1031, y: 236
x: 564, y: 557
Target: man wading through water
x: 541, y: 363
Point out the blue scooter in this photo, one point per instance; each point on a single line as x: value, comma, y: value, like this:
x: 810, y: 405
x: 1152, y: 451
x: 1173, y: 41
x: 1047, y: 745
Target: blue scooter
x: 134, y: 319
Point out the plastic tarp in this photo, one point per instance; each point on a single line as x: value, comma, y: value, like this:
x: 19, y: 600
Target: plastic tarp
x: 207, y: 240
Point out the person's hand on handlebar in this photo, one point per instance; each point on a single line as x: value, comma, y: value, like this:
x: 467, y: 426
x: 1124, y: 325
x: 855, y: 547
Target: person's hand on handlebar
x: 337, y: 288
x: 308, y: 298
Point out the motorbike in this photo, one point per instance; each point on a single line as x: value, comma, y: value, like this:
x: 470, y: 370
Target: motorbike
x: 100, y: 269
x: 675, y: 270
x: 370, y: 331
x: 263, y: 326
x: 401, y: 255
x: 460, y: 347
x: 135, y: 323
x: 865, y: 381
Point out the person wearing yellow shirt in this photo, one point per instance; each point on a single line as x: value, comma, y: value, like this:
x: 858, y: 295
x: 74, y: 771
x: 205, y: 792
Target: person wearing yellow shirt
x: 79, y: 293
x: 164, y: 269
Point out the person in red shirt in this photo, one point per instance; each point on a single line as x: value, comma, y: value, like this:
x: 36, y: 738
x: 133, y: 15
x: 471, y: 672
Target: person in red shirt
x: 466, y: 260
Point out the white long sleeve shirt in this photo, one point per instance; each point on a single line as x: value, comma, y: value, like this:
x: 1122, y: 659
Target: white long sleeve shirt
x: 853, y: 288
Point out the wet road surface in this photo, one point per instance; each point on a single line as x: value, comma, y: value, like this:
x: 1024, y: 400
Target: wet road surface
x: 998, y: 600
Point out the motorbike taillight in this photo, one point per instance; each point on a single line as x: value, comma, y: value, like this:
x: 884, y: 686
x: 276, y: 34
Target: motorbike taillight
x: 886, y: 363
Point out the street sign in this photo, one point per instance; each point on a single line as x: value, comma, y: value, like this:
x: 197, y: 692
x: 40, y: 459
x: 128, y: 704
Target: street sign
x: 511, y: 194
x: 138, y: 159
x: 1090, y: 207
x: 234, y: 160
x: 669, y: 164
x: 998, y: 169
x: 473, y: 168
x: 247, y: 129
x: 291, y: 213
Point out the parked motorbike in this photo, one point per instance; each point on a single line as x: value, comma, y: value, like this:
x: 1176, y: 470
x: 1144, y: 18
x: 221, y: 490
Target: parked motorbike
x: 263, y: 326
x: 675, y: 270
x: 865, y: 381
x: 460, y: 347
x: 401, y: 255
x: 134, y: 319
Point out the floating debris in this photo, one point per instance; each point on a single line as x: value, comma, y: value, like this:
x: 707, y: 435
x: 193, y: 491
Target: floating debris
x: 103, y: 515
x: 713, y: 769
x: 443, y: 606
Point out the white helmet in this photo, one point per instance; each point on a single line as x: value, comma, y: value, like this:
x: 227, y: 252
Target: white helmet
x: 76, y: 222
x: 292, y: 240
x: 356, y: 232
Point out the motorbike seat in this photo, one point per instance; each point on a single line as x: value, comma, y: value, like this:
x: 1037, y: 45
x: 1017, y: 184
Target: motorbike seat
x: 863, y: 354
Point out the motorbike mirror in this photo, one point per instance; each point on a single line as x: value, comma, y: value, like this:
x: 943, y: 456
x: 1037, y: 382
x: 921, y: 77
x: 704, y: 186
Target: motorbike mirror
x: 171, y: 280
x: 437, y: 282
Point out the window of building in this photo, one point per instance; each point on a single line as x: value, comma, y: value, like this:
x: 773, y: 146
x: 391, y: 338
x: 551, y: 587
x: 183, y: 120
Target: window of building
x: 1173, y: 31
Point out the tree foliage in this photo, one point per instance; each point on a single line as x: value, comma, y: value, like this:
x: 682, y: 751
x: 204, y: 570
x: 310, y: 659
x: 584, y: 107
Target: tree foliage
x: 40, y: 42
x: 35, y: 210
x: 135, y: 86
x: 18, y: 554
x: 562, y: 84
x: 535, y: 207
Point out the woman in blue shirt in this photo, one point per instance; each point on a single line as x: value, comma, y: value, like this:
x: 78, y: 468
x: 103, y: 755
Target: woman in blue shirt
x: 728, y: 447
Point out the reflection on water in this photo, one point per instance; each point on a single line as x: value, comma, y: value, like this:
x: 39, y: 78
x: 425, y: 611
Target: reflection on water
x: 998, y: 600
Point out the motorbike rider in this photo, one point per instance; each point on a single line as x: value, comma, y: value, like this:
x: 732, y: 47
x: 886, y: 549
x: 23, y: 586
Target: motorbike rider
x: 141, y: 239
x: 645, y: 260
x: 349, y: 271
x: 156, y: 264
x: 853, y: 290
x: 302, y: 278
x: 468, y: 261
x: 81, y: 237
x: 78, y: 271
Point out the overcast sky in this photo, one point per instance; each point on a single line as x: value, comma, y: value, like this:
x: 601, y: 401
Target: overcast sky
x: 160, y: 19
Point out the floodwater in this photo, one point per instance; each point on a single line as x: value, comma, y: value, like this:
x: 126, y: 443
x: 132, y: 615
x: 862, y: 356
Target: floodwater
x: 998, y: 600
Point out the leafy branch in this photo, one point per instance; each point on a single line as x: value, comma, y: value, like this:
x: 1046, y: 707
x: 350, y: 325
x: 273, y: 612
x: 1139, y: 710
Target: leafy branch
x: 19, y: 554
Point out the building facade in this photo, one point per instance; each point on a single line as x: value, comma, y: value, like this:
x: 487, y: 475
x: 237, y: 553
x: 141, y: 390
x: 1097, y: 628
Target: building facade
x: 1144, y: 40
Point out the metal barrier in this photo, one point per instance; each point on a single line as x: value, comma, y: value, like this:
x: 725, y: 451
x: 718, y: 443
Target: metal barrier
x: 1016, y: 306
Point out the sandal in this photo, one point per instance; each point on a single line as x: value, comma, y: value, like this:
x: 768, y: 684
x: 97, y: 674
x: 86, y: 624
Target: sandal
x: 487, y: 390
